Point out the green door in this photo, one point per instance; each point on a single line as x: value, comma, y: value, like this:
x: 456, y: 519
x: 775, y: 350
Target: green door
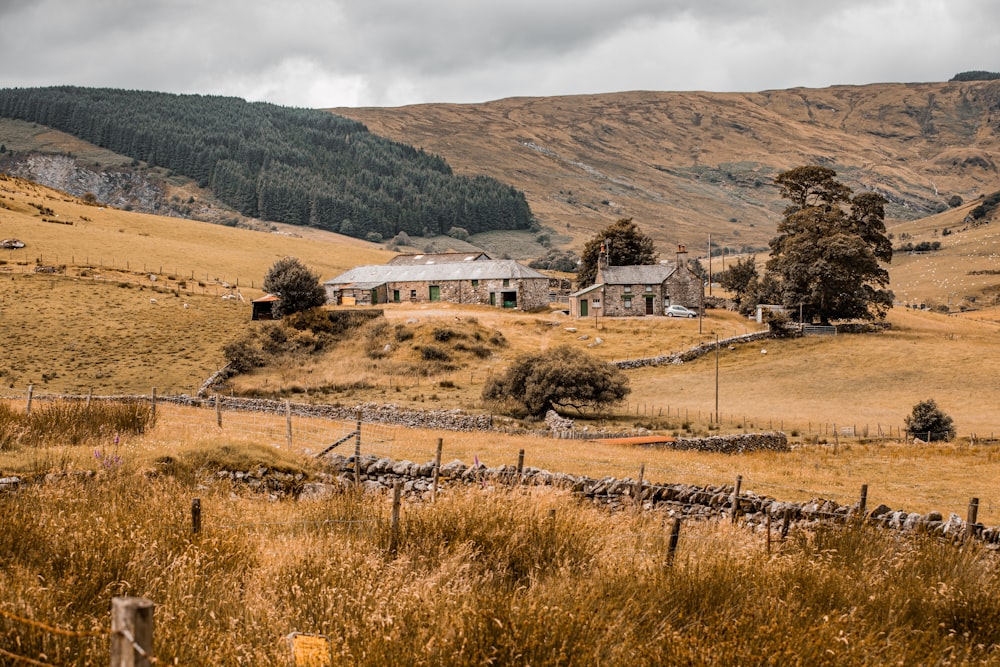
x: 435, y: 293
x: 395, y: 295
x: 583, y: 308
x: 493, y: 298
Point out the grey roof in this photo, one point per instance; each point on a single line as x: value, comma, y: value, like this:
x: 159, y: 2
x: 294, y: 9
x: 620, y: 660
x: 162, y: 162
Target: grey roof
x: 635, y: 275
x: 493, y: 269
x: 439, y: 258
x: 587, y: 289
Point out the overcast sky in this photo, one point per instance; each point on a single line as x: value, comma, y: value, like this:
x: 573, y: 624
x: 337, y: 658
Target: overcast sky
x: 326, y: 53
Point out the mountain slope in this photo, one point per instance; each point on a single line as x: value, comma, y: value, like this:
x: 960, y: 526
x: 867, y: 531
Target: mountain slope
x: 683, y: 164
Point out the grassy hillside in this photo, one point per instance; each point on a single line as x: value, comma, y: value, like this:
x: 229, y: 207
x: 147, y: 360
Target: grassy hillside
x: 93, y: 324
x: 683, y: 164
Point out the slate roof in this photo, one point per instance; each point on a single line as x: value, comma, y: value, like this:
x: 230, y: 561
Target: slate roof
x: 439, y: 258
x: 651, y: 274
x: 493, y: 269
x: 585, y: 290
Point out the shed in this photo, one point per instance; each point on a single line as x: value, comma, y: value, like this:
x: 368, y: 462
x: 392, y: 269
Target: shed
x: 263, y: 308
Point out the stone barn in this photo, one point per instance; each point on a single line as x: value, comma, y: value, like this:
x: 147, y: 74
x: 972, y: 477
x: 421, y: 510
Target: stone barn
x: 500, y: 283
x: 640, y: 290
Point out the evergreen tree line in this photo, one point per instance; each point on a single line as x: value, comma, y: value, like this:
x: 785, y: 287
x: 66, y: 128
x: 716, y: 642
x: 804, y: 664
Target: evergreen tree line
x: 299, y: 166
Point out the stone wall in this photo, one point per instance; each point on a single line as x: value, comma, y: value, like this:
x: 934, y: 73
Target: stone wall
x: 691, y: 354
x: 686, y: 500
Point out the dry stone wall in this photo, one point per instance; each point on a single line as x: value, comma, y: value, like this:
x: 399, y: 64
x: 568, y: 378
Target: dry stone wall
x: 691, y: 501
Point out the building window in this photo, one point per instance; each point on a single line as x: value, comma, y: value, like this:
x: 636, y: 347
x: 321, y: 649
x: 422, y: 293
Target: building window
x: 475, y: 283
x: 506, y: 282
x: 628, y: 289
x: 413, y: 295
x: 649, y: 288
x: 628, y: 302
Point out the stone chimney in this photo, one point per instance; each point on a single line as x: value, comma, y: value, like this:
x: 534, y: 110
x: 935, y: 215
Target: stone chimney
x: 682, y: 256
x: 602, y: 258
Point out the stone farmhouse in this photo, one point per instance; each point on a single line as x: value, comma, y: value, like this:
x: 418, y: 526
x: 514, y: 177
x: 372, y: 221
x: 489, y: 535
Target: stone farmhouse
x: 473, y: 279
x: 638, y: 291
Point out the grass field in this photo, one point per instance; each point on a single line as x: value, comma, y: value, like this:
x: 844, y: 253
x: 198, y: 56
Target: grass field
x: 483, y: 575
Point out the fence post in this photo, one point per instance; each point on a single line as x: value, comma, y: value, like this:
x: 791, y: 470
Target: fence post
x: 31, y: 390
x: 520, y: 466
x: 785, y: 520
x: 397, y: 491
x: 736, y: 497
x: 288, y: 423
x: 152, y: 403
x: 90, y: 395
x: 638, y: 487
x: 863, y: 503
x: 767, y: 532
x: 357, y: 453
x: 971, y: 517
x: 437, y: 469
x: 196, y: 515
x: 218, y: 410
x: 836, y: 439
x: 131, y: 632
x: 675, y: 534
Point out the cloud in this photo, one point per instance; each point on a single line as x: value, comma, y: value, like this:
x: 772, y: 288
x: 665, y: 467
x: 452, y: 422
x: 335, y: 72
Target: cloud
x: 321, y: 53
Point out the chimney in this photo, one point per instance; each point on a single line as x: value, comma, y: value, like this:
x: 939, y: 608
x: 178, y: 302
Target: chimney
x: 602, y: 259
x: 682, y: 255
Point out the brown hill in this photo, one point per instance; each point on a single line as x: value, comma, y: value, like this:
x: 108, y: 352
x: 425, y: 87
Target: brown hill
x: 688, y: 163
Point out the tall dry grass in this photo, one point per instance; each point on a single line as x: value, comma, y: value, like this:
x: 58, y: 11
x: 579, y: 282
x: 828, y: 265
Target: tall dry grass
x: 481, y: 577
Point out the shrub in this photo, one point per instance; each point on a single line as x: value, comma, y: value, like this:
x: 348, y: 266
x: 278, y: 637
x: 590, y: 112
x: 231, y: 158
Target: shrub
x: 955, y: 201
x: 434, y: 353
x: 560, y: 377
x: 243, y: 355
x: 928, y: 421
x: 298, y: 287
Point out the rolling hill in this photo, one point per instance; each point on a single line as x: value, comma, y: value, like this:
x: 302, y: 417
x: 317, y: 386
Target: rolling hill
x: 683, y: 164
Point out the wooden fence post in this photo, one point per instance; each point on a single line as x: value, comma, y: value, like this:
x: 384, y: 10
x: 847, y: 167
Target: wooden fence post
x: 288, y: 423
x: 31, y: 391
x: 218, y: 410
x: 152, y: 403
x: 131, y: 632
x: 785, y: 520
x: 863, y: 503
x: 736, y: 498
x: 638, y: 487
x: 675, y: 534
x: 196, y: 515
x: 397, y: 491
x: 357, y: 453
x: 437, y: 469
x: 520, y: 466
x: 90, y: 395
x: 767, y: 532
x: 971, y: 518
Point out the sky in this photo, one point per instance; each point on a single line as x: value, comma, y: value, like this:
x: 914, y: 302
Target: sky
x: 354, y: 53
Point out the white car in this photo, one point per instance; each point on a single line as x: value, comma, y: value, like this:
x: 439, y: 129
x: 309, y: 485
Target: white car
x: 677, y: 310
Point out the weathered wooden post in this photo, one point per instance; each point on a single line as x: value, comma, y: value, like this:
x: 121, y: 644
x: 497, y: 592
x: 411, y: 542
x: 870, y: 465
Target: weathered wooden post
x: 520, y: 466
x: 736, y: 498
x: 90, y: 395
x: 152, y: 403
x: 288, y: 424
x: 131, y: 632
x: 675, y: 534
x: 397, y: 491
x: 357, y: 451
x: 437, y: 469
x: 31, y: 391
x: 196, y: 515
x: 767, y: 532
x: 785, y: 520
x: 863, y: 502
x: 218, y: 410
x: 638, y: 487
x: 971, y: 518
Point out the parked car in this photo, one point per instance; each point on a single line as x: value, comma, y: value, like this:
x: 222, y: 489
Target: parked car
x: 677, y: 310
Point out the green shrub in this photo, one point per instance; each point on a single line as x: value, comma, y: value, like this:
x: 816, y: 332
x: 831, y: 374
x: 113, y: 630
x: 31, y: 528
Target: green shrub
x: 929, y: 422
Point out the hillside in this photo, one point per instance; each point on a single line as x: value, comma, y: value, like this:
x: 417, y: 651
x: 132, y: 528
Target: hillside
x: 683, y: 164
x: 280, y: 164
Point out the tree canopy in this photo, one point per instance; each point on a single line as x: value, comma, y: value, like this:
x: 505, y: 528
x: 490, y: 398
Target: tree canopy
x: 560, y: 377
x: 298, y: 166
x: 740, y: 278
x: 929, y: 421
x: 626, y: 246
x: 830, y: 248
x: 298, y: 286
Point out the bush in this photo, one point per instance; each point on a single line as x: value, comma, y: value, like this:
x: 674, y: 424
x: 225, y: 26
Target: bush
x: 243, y: 355
x: 928, y: 421
x: 955, y: 201
x: 560, y: 377
x: 298, y: 287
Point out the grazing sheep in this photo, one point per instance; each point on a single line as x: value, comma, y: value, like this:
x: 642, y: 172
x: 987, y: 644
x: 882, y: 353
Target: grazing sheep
x: 152, y: 300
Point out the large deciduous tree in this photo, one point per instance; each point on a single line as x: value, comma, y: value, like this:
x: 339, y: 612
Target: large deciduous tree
x: 626, y: 246
x: 559, y: 377
x: 298, y: 287
x: 830, y: 248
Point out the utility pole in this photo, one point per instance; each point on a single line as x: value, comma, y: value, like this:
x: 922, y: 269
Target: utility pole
x: 710, y: 264
x: 716, y: 378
